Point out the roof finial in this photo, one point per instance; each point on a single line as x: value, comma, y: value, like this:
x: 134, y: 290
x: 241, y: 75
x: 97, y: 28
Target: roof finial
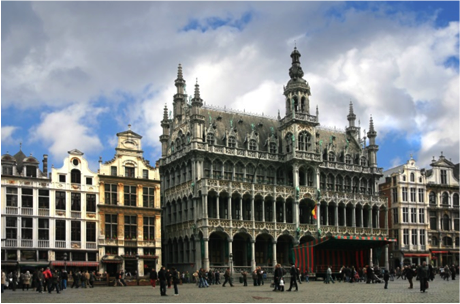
x: 20, y: 146
x: 129, y: 127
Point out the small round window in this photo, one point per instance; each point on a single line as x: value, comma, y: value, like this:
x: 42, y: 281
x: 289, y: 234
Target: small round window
x: 75, y: 162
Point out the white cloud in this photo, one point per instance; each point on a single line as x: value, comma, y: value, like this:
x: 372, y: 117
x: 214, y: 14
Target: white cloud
x: 7, y: 134
x: 390, y: 67
x: 68, y: 129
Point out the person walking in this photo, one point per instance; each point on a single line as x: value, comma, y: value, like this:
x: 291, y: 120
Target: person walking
x: 277, y: 275
x: 244, y: 274
x: 40, y: 281
x: 3, y: 281
x: 26, y: 280
x: 293, y: 273
x: 76, y: 280
x: 409, y: 274
x: 329, y: 276
x: 92, y: 278
x: 64, y: 278
x: 422, y: 273
x: 54, y: 282
x: 162, y: 277
x: 386, y: 277
x: 175, y: 280
x: 227, y: 277
x: 153, y: 277
x: 254, y: 277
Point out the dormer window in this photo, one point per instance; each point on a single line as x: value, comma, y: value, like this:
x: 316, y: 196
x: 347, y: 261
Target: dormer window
x: 348, y: 159
x: 412, y: 177
x: 210, y: 139
x: 7, y: 170
x: 272, y: 148
x: 31, y: 171
x: 129, y: 171
x: 252, y: 145
x: 331, y: 157
x: 231, y: 142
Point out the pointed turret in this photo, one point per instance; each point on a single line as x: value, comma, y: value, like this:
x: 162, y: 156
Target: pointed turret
x: 297, y: 91
x: 165, y: 124
x: 351, y: 116
x: 372, y: 148
x: 180, y: 98
x: 352, y: 130
x: 196, y: 100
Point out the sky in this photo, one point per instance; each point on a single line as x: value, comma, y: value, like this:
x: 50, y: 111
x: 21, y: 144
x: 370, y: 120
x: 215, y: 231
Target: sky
x: 73, y: 74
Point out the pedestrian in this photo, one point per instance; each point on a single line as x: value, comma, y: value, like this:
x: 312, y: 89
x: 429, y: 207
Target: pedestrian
x: 162, y: 278
x: 244, y: 276
x: 259, y: 276
x: 409, y: 274
x: 26, y: 280
x: 54, y: 282
x: 76, y: 280
x: 168, y: 277
x: 294, y: 275
x: 84, y: 279
x: 453, y: 272
x: 64, y: 278
x: 14, y: 279
x: 281, y: 284
x: 217, y: 277
x: 122, y: 278
x: 227, y: 277
x: 329, y: 276
x: 47, y: 274
x: 175, y: 280
x: 422, y: 273
x: 254, y: 277
x: 3, y: 281
x: 153, y: 277
x: 92, y: 278
x: 277, y: 275
x: 386, y: 277
x: 40, y: 281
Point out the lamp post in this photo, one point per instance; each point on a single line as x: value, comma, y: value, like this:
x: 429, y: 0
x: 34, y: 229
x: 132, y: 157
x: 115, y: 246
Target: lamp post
x: 65, y: 261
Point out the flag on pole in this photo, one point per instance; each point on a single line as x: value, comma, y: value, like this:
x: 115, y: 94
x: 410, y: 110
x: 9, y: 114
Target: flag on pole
x: 313, y: 211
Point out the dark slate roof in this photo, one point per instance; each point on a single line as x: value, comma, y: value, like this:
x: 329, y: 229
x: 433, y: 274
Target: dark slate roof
x: 19, y: 159
x: 8, y: 158
x: 456, y: 169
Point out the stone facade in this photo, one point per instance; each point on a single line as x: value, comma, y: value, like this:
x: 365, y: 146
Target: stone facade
x: 239, y: 189
x: 129, y: 209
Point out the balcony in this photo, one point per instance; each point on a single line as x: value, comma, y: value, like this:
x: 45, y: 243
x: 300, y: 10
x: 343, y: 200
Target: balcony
x: 11, y: 243
x: 91, y: 245
x: 27, y: 211
x: 60, y: 244
x: 27, y: 243
x: 43, y: 244
x: 11, y: 210
x: 75, y: 214
x: 43, y: 212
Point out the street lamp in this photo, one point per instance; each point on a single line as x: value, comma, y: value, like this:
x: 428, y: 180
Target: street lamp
x: 65, y: 261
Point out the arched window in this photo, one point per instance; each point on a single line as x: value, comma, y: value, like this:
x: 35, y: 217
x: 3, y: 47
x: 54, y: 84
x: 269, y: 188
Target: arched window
x: 445, y: 198
x: 273, y: 148
x: 432, y: 198
x: 445, y: 222
x: 348, y: 159
x: 250, y: 173
x: 288, y: 143
x: 239, y: 172
x: 228, y: 170
x: 75, y: 176
x: 331, y: 157
x: 207, y: 168
x: 210, y: 139
x: 447, y: 241
x: 456, y: 203
x: 412, y: 177
x: 434, y: 241
x: 404, y: 178
x: 330, y: 182
x: 304, y: 141
x: 172, y: 147
x: 252, y: 145
x: 231, y: 142
x: 347, y: 184
x: 178, y: 144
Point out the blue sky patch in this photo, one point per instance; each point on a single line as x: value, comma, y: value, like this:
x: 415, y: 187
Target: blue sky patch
x: 213, y: 23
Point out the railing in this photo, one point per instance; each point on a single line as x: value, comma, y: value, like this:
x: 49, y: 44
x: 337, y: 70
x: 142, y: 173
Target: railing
x: 11, y: 210
x: 27, y: 211
x: 11, y: 243
x: 43, y: 212
x: 60, y: 244
x: 91, y: 245
x: 43, y: 244
x: 132, y: 243
x: 75, y: 214
x: 27, y: 243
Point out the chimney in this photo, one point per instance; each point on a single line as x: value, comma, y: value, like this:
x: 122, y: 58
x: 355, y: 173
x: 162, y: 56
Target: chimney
x: 45, y: 164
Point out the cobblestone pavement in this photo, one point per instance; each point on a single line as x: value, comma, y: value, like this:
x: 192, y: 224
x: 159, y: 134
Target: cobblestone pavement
x: 439, y: 292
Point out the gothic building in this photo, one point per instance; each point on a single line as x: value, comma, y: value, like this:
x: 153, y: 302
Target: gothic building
x: 241, y: 190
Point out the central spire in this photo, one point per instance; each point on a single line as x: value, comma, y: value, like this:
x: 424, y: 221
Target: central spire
x: 296, y: 70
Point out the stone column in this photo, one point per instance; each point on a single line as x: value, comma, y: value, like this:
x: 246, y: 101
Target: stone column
x: 274, y: 254
x: 263, y: 210
x: 252, y: 209
x: 345, y: 216
x: 217, y: 207
x: 336, y: 215
x: 362, y: 216
x: 206, y: 253
x: 284, y: 212
x: 204, y: 202
x: 274, y: 211
x: 326, y: 214
x: 387, y: 263
x: 253, y: 255
x: 377, y: 220
x: 229, y: 204
x: 230, y: 252
x: 318, y: 216
x: 386, y: 218
x: 353, y: 217
x: 241, y: 209
x: 369, y: 219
